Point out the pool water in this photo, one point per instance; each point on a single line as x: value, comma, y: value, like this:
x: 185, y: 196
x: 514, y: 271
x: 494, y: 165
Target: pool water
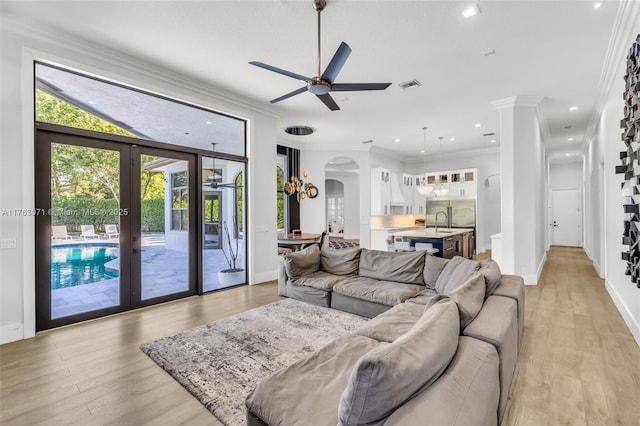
x: 73, y: 265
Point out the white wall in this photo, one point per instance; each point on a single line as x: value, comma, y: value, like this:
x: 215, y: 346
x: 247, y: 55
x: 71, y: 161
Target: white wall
x: 313, y: 212
x: 566, y: 175
x: 21, y: 45
x: 605, y: 210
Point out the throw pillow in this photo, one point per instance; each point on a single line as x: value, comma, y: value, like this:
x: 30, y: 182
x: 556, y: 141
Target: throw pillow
x: 340, y: 262
x: 492, y: 275
x: 402, y: 267
x: 468, y: 295
x: 302, y: 262
x: 388, y: 375
x: 433, y: 267
x: 456, y: 271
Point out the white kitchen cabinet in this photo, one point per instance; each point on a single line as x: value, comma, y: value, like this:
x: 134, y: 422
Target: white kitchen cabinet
x: 462, y: 183
x: 408, y: 191
x: 380, y: 191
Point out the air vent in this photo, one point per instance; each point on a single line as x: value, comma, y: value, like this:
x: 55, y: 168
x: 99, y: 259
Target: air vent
x: 488, y: 134
x: 369, y: 141
x: 299, y: 130
x: 410, y: 83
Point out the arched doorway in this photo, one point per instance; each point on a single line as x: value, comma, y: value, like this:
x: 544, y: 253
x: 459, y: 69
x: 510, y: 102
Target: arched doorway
x: 342, y: 192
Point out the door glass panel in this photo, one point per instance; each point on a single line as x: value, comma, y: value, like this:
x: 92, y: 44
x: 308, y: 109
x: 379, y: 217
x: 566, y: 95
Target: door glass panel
x: 85, y: 224
x: 223, y: 254
x: 164, y: 226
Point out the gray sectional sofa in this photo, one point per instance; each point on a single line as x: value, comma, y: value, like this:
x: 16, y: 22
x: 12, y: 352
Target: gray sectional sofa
x: 440, y: 349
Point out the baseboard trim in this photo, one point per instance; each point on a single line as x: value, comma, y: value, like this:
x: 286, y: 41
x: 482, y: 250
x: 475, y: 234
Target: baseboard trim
x: 264, y: 277
x: 11, y: 333
x: 628, y: 318
x: 532, y: 279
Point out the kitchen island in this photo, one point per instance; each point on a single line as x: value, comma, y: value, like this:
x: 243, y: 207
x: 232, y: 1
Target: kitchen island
x: 449, y: 241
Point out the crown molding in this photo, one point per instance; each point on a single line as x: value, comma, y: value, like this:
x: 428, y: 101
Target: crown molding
x: 495, y: 149
x: 625, y: 30
x: 49, y: 36
x: 517, y: 101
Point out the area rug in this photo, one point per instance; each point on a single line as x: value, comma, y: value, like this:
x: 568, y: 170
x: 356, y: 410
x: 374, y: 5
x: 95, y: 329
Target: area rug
x: 221, y: 362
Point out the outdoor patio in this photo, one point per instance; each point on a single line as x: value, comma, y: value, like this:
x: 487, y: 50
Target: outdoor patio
x: 163, y: 272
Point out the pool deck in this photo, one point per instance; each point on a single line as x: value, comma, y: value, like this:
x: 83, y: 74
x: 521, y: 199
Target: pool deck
x: 164, y: 272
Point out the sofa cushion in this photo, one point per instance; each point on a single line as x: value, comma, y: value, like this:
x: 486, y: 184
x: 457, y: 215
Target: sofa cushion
x: 423, y: 297
x: 340, y: 261
x: 302, y: 262
x: 454, y: 272
x: 492, y: 275
x: 387, y: 376
x: 308, y: 391
x: 386, y: 292
x: 402, y: 267
x: 390, y: 325
x: 468, y: 295
x: 433, y: 267
x: 320, y: 279
x: 467, y: 393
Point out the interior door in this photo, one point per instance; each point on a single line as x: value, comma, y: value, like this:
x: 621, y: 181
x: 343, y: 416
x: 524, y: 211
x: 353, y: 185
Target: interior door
x: 566, y: 217
x: 163, y: 265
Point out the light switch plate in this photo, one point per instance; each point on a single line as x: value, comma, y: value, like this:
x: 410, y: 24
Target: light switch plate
x: 8, y: 243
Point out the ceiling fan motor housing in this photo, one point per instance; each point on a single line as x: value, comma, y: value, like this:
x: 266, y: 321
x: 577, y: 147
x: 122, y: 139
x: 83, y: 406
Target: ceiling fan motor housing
x: 318, y: 86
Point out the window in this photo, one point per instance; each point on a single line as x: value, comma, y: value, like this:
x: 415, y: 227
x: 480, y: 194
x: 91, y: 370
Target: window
x: 239, y: 204
x: 281, y: 198
x: 179, y: 201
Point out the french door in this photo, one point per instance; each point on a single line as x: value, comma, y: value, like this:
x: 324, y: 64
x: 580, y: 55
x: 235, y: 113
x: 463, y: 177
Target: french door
x: 115, y: 227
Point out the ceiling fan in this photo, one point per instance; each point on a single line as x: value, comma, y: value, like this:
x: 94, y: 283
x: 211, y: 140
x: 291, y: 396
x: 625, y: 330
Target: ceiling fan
x: 323, y: 83
x: 215, y: 180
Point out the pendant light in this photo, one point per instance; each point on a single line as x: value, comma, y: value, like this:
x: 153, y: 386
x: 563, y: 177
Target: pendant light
x: 440, y: 190
x: 423, y: 187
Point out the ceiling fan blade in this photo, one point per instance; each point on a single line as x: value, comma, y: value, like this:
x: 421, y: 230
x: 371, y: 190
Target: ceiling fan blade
x: 337, y: 62
x: 352, y: 87
x: 290, y: 94
x: 280, y: 71
x: 329, y: 102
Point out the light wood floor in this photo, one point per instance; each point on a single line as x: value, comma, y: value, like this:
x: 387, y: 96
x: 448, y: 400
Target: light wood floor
x: 578, y: 362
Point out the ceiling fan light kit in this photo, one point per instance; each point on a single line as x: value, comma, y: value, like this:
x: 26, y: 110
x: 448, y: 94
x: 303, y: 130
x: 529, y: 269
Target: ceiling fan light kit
x: 322, y: 84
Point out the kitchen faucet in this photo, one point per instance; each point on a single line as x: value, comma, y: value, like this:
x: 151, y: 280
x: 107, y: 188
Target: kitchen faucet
x: 445, y: 218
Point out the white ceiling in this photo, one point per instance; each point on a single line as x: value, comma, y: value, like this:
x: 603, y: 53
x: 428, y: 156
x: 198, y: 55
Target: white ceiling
x: 548, y: 49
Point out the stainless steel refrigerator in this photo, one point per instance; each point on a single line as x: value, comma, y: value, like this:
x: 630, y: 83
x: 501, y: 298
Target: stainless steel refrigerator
x: 460, y: 213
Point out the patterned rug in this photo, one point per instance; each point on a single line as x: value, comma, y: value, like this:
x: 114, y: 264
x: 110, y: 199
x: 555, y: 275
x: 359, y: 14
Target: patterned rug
x: 342, y: 244
x: 221, y: 362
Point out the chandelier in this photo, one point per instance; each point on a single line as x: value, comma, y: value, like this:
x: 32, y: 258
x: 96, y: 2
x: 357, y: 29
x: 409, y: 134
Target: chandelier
x: 423, y: 187
x: 296, y: 186
x: 440, y: 189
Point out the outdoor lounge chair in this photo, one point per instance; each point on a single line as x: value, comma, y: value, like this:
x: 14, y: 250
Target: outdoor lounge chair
x: 111, y: 231
x: 88, y: 232
x: 59, y: 232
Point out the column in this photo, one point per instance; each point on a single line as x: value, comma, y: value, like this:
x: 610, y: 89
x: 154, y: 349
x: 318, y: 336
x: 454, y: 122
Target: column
x: 523, y: 204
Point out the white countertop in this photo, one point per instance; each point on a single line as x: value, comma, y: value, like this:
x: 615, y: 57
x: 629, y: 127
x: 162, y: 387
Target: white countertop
x: 395, y: 228
x: 431, y: 232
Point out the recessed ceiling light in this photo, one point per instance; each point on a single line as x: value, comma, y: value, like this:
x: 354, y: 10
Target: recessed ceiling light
x: 492, y: 141
x: 208, y: 122
x: 471, y: 11
x: 597, y: 5
x: 452, y: 139
x: 573, y: 108
x: 397, y: 139
x: 568, y: 154
x: 422, y: 151
x: 478, y: 125
x: 569, y: 139
x: 91, y: 103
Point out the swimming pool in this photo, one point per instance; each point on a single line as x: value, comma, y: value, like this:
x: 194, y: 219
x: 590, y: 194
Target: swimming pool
x: 78, y: 264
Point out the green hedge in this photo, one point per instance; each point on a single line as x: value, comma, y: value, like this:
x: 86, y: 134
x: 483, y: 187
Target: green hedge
x: 74, y: 212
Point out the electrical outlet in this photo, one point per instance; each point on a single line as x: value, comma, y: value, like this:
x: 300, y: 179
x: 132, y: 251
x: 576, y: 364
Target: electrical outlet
x: 8, y: 243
